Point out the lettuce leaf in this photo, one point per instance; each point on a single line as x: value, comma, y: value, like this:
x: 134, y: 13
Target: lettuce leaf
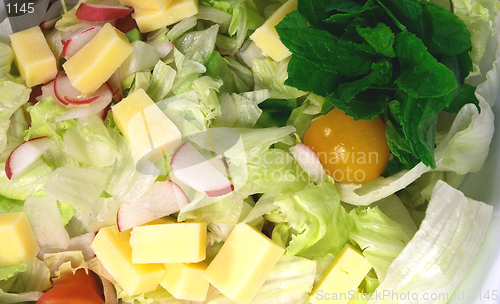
x: 380, y: 238
x: 12, y: 97
x: 440, y: 253
x: 318, y: 223
x: 47, y: 222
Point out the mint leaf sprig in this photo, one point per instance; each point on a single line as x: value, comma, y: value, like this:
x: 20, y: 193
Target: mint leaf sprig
x: 405, y: 59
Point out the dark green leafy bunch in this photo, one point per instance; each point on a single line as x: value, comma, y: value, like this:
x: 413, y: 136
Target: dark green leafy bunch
x: 405, y: 59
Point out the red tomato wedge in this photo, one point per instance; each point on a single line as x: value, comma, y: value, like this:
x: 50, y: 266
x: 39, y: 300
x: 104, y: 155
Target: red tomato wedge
x: 79, y: 288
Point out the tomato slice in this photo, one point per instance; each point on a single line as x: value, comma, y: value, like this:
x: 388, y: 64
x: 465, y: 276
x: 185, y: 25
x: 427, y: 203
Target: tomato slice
x: 79, y: 288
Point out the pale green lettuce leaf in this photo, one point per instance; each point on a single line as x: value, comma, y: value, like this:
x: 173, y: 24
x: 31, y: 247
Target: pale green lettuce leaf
x: 181, y: 28
x: 157, y: 296
x: 290, y: 281
x: 319, y: 224
x: 185, y: 111
x: 380, y: 238
x: 6, y: 59
x: 440, y: 253
x: 207, y: 88
x: 479, y: 16
x: 47, y: 222
x: 271, y: 75
x: 143, y: 56
x: 79, y: 187
x: 29, y: 183
x: 89, y: 143
x: 12, y: 97
x: 198, y: 45
x: 36, y: 277
x: 42, y: 115
x: 161, y: 81
x: 188, y: 70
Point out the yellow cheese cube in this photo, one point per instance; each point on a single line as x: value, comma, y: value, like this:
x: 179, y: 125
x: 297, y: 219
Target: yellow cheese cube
x: 169, y: 243
x: 34, y: 59
x: 150, y: 133
x: 113, y: 250
x: 244, y: 262
x: 185, y: 281
x: 17, y: 239
x: 147, y: 4
x: 94, y: 64
x: 342, y: 278
x: 150, y: 20
x: 266, y: 37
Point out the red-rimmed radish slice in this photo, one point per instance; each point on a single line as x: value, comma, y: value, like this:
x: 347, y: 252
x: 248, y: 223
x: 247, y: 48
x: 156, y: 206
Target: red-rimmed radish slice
x: 116, y: 85
x: 49, y: 24
x: 67, y: 94
x: 99, y: 12
x: 309, y: 162
x: 193, y: 169
x: 163, y: 47
x: 103, y: 113
x: 161, y: 199
x: 26, y: 154
x: 105, y: 96
x: 48, y: 90
x: 78, y: 40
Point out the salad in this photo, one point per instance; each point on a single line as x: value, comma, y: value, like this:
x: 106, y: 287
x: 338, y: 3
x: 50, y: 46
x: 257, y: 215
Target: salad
x: 244, y: 151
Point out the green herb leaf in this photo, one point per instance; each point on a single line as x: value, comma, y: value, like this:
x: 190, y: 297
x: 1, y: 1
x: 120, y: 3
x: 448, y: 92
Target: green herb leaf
x: 381, y: 38
x: 399, y: 146
x: 421, y: 75
x: 444, y: 32
x: 465, y: 95
x: 323, y: 50
x: 406, y: 12
x: 306, y: 77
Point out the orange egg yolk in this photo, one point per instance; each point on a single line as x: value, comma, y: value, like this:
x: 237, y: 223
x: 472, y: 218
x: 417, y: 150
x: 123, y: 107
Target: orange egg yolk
x: 350, y: 151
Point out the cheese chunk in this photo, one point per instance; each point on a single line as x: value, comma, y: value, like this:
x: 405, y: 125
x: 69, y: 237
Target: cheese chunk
x: 169, y: 243
x: 34, y: 59
x: 94, y: 64
x: 17, y: 239
x: 266, y: 37
x: 150, y: 133
x: 150, y: 20
x: 147, y: 4
x: 113, y: 250
x: 342, y: 278
x: 185, y: 281
x: 244, y: 262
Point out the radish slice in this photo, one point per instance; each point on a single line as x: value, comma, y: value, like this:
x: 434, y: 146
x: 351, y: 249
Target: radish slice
x: 78, y: 40
x: 26, y: 154
x: 49, y: 24
x: 163, y: 47
x: 97, y: 12
x: 105, y: 96
x: 161, y: 199
x: 193, y: 169
x: 67, y: 94
x: 309, y: 162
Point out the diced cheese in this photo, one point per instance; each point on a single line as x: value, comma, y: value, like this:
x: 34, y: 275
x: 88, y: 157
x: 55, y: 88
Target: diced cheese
x: 34, y: 59
x: 150, y: 20
x: 94, y: 64
x: 266, y: 37
x: 244, y: 262
x: 342, y: 278
x: 150, y: 133
x: 17, y: 239
x: 147, y: 4
x: 169, y: 243
x: 185, y: 281
x: 113, y: 250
